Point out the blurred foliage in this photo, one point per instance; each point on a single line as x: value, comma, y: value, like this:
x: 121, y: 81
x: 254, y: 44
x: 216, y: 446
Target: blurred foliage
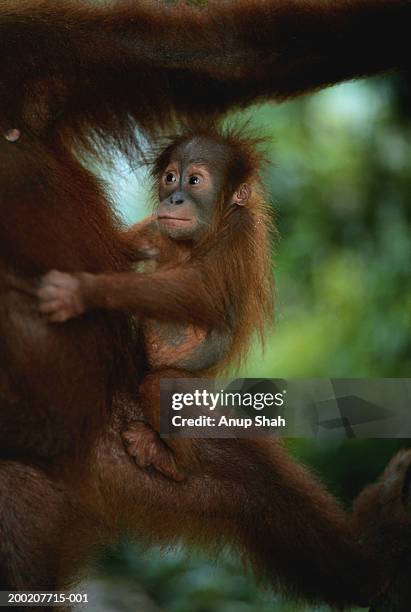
x: 341, y: 185
x: 340, y: 182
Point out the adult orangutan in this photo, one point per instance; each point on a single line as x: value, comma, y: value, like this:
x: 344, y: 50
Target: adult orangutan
x: 73, y: 76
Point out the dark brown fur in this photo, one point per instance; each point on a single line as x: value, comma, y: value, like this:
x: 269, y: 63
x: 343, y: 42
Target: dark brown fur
x: 71, y: 76
x: 84, y: 67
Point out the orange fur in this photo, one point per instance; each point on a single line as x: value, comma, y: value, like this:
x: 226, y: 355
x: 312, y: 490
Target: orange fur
x: 82, y: 77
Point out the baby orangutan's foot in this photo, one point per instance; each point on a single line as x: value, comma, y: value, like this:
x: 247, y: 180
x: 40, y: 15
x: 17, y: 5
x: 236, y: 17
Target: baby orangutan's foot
x: 146, y: 447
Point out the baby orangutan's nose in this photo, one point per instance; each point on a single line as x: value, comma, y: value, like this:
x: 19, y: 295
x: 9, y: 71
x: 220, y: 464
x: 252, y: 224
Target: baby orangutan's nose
x: 177, y: 198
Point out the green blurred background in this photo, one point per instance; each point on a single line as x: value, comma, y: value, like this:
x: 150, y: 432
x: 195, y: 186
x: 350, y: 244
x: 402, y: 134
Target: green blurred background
x: 340, y: 184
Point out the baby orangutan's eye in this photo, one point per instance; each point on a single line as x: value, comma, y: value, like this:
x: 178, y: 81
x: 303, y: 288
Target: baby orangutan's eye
x: 170, y: 178
x: 194, y: 180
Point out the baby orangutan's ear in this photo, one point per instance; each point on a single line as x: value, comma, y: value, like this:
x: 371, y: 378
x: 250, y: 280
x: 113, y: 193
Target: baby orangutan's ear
x: 242, y: 195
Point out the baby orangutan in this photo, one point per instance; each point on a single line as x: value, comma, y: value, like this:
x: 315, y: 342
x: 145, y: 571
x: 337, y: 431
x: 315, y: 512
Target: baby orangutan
x: 210, y: 288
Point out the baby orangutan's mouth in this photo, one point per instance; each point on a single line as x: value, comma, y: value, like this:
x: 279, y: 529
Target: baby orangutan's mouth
x: 172, y: 218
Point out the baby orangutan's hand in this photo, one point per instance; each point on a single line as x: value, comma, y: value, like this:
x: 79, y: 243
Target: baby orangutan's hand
x: 61, y: 297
